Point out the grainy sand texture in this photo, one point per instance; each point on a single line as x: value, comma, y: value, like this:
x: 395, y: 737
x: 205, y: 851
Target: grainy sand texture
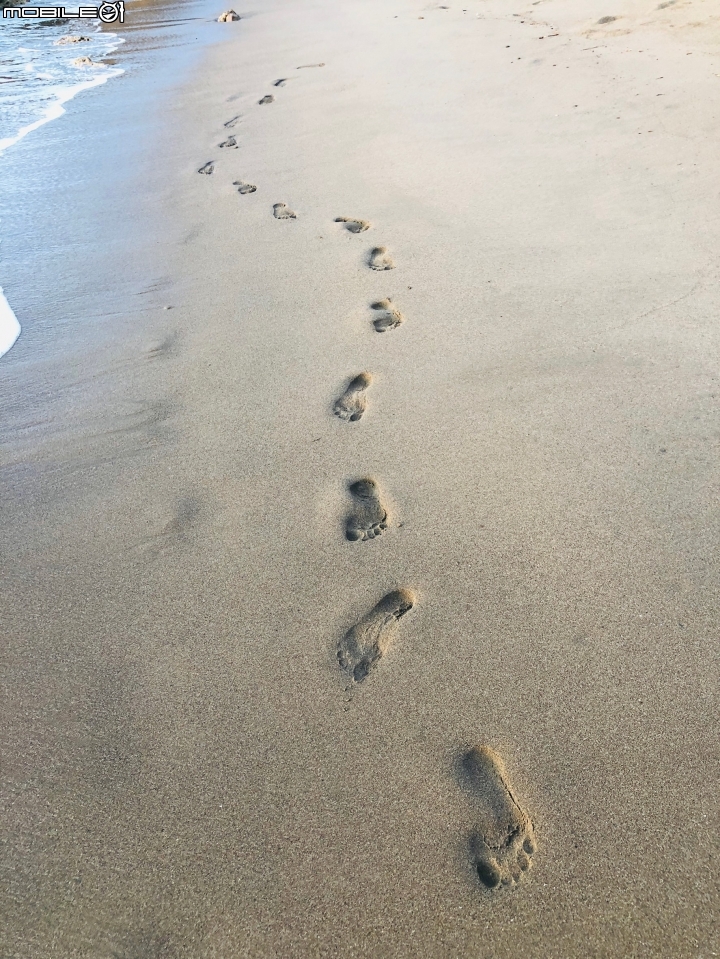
x: 325, y: 643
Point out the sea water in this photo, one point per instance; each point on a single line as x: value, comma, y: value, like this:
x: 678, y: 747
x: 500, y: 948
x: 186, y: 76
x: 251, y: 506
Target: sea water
x: 38, y: 76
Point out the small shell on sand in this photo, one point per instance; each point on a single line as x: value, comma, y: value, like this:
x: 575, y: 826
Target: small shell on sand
x: 228, y: 16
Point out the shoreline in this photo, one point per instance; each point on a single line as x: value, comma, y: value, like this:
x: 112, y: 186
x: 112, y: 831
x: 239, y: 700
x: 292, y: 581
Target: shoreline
x: 203, y: 756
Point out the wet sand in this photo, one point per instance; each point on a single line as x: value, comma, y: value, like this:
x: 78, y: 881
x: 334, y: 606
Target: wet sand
x: 435, y: 680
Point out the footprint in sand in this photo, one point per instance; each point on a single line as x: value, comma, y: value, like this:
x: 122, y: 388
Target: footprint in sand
x: 162, y: 348
x: 268, y: 98
x: 281, y: 211
x: 243, y: 187
x: 207, y: 168
x: 353, y: 403
x: 367, y: 642
x: 369, y: 517
x: 353, y: 225
x: 177, y: 531
x: 229, y: 144
x: 231, y: 123
x: 390, y: 316
x: 380, y: 259
x: 281, y: 82
x: 504, y: 842
x: 308, y: 66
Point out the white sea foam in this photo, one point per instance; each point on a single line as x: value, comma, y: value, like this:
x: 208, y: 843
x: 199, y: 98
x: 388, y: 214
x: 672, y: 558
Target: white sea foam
x: 58, y: 96
x: 9, y: 326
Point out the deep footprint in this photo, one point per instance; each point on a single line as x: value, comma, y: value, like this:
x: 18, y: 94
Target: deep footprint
x: 281, y: 211
x: 390, y: 316
x: 281, y: 82
x: 353, y: 225
x: 229, y: 144
x: 380, y: 259
x: 366, y: 643
x: 369, y: 517
x: 243, y: 187
x: 268, y: 98
x: 353, y: 403
x: 207, y: 168
x: 504, y: 842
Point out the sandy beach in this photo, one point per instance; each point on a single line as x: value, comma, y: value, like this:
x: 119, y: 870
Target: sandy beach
x: 359, y: 494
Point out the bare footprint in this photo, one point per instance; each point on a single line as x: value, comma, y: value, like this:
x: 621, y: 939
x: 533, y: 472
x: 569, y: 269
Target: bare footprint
x: 353, y: 225
x: 308, y: 66
x: 243, y: 187
x: 504, y: 842
x: 281, y: 211
x: 177, y: 531
x: 380, y: 259
x: 232, y: 121
x: 390, y: 316
x: 369, y: 517
x: 268, y: 98
x: 229, y: 144
x: 353, y: 403
x: 162, y: 348
x: 362, y: 646
x: 281, y: 82
x: 207, y: 167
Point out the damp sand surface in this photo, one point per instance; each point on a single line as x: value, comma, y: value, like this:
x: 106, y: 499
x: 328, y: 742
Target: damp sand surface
x: 236, y: 723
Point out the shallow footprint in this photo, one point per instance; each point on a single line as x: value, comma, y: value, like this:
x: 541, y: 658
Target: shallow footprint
x: 504, y: 842
x: 231, y: 123
x: 268, y: 98
x: 308, y: 66
x: 380, y: 259
x: 230, y: 143
x: 390, y: 316
x: 362, y: 646
x: 165, y: 347
x: 176, y: 532
x: 281, y: 82
x: 353, y: 403
x: 243, y: 187
x: 353, y: 225
x: 369, y: 517
x: 281, y: 211
x: 207, y: 168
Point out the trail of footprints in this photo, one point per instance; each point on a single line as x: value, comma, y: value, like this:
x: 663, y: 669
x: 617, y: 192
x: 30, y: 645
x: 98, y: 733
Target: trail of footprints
x: 502, y: 844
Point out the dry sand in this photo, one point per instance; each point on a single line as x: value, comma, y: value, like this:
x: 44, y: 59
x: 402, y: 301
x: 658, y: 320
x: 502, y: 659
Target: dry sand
x: 190, y: 771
